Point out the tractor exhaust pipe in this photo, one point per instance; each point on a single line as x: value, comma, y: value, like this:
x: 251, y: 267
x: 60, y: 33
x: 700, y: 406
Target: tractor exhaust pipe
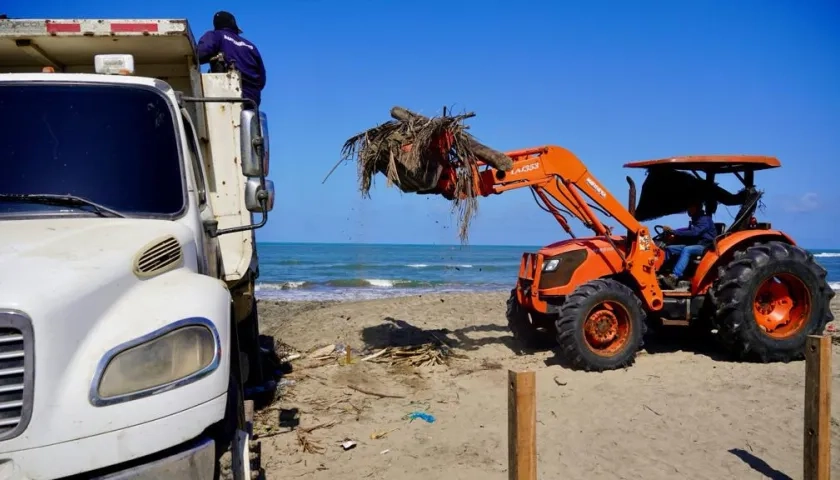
x: 631, y: 202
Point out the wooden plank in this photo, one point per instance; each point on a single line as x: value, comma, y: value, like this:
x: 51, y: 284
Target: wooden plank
x: 522, y: 426
x: 817, y: 446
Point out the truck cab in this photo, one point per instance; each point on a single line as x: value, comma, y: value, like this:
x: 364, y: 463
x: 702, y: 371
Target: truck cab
x: 131, y: 180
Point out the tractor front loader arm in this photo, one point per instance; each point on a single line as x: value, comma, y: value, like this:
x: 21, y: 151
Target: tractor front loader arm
x: 554, y: 173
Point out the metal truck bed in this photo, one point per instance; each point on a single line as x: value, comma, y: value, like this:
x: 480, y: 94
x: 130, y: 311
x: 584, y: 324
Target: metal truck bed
x: 162, y: 49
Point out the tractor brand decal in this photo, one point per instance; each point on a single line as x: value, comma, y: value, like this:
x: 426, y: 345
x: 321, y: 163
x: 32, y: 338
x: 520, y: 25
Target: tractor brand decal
x: 644, y: 242
x: 526, y: 168
x: 595, y: 187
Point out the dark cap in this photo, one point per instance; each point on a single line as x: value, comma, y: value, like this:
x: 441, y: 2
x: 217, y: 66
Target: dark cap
x: 224, y: 19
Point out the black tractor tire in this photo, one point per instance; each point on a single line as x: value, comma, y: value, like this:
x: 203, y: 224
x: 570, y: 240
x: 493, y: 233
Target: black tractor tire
x: 734, y: 294
x: 574, y: 347
x: 526, y: 334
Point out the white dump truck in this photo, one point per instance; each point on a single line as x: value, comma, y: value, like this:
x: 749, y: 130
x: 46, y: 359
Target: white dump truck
x: 129, y: 181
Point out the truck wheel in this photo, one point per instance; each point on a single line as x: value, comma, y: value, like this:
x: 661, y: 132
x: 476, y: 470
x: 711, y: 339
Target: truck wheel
x: 525, y: 333
x: 225, y: 431
x: 249, y: 333
x: 768, y: 300
x: 601, y: 326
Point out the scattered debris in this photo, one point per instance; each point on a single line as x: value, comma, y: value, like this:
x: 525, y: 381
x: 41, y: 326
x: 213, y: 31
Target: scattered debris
x: 348, y: 445
x: 375, y: 394
x: 322, y: 352
x: 290, y: 358
x: 383, y: 452
x: 428, y: 418
x: 379, y: 435
x: 320, y: 425
x: 375, y: 355
x: 558, y: 382
x: 652, y: 410
x: 308, y: 446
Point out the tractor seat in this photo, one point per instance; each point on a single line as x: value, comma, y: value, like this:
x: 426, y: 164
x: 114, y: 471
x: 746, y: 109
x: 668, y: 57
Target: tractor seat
x: 720, y: 227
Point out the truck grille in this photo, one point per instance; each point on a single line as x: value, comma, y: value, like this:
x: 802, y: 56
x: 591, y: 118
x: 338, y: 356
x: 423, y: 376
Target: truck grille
x: 16, y: 373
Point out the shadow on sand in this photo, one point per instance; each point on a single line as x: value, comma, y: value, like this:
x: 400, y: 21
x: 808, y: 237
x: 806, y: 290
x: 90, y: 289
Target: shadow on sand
x: 393, y: 332
x: 759, y: 465
x: 400, y: 333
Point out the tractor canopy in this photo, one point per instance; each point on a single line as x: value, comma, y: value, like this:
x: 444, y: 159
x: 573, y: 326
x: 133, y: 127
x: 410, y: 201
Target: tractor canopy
x: 669, y: 188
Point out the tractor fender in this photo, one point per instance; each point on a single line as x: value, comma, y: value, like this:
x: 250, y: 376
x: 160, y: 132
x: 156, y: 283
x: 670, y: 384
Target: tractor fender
x: 706, y: 272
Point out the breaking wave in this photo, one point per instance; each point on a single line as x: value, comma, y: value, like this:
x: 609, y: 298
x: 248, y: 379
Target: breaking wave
x: 350, y: 283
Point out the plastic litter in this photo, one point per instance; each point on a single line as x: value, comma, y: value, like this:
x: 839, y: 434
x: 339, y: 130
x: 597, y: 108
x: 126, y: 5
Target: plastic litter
x: 428, y: 418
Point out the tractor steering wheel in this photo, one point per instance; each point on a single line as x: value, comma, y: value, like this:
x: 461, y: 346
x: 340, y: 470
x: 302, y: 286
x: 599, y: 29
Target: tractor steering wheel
x: 660, y: 230
x: 661, y: 236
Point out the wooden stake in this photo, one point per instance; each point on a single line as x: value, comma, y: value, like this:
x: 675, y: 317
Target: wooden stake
x: 817, y: 460
x: 522, y: 426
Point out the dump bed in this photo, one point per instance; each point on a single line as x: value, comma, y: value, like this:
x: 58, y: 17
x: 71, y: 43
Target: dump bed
x: 162, y: 49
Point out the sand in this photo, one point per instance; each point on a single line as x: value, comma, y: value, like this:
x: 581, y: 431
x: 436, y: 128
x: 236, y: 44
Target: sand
x: 679, y: 412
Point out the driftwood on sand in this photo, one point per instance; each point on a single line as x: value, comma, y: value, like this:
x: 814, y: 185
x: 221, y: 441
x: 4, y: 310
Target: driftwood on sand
x: 382, y: 149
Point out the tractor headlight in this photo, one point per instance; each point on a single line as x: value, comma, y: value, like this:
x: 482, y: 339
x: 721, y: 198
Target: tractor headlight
x: 551, y: 265
x: 178, y: 354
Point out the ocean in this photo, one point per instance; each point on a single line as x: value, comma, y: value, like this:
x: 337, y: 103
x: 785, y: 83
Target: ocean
x: 296, y: 271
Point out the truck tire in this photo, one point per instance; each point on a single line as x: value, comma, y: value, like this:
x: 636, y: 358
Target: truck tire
x: 249, y: 333
x: 601, y: 326
x: 768, y: 299
x: 235, y: 418
x: 526, y: 335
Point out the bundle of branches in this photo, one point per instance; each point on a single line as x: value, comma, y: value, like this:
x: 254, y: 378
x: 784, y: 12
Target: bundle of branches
x: 438, y: 145
x: 428, y: 354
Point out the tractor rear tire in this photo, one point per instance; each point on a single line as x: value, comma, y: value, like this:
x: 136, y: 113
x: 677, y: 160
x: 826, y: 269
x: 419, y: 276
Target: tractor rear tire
x: 526, y: 334
x: 601, y: 326
x: 775, y: 285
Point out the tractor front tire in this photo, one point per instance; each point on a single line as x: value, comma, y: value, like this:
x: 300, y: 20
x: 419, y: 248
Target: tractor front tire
x: 601, y: 326
x: 526, y: 334
x: 768, y: 299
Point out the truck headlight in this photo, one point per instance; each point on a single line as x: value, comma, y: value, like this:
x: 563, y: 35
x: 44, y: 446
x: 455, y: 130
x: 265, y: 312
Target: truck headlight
x: 551, y: 265
x: 173, y: 356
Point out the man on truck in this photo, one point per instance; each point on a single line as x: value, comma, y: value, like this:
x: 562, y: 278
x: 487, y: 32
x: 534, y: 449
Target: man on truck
x: 237, y: 52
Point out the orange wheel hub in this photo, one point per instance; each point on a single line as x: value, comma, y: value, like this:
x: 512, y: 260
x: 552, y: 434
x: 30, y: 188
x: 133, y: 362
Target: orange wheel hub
x: 607, y: 328
x: 782, y: 305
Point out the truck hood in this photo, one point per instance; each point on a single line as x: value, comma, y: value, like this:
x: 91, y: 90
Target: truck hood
x: 50, y: 263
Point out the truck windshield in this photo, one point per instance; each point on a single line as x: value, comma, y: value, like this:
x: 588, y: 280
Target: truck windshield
x: 109, y: 144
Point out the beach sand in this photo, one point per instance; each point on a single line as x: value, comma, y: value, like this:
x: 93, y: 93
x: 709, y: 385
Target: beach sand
x: 678, y: 412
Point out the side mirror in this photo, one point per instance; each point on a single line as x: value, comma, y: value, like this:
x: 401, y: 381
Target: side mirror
x: 253, y: 143
x: 254, y: 193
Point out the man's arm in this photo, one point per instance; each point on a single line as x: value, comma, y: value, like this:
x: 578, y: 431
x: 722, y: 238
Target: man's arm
x: 208, y: 47
x: 696, y: 229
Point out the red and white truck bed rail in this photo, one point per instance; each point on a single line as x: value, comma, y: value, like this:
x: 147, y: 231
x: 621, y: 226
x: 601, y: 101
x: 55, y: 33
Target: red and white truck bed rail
x: 38, y: 27
x: 67, y: 45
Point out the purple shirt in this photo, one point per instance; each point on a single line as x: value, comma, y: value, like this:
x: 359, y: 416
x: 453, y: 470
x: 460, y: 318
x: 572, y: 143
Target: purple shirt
x: 237, y: 51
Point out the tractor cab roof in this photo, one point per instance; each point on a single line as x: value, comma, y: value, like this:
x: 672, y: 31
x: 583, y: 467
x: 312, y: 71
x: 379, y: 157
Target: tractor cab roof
x: 672, y: 184
x: 710, y: 163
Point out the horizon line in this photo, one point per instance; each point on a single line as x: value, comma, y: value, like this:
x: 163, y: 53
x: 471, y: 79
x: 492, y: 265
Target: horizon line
x: 274, y: 242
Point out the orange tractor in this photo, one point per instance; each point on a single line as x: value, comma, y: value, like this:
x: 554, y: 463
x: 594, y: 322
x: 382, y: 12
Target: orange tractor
x: 755, y: 290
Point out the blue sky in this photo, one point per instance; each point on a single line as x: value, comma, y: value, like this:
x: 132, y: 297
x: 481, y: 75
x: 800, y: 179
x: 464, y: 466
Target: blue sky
x: 612, y: 81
